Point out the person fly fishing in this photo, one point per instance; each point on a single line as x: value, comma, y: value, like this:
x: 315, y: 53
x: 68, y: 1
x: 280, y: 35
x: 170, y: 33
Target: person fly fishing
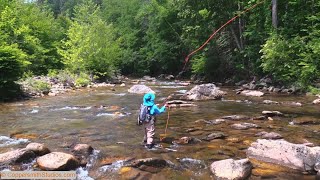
x: 147, y: 118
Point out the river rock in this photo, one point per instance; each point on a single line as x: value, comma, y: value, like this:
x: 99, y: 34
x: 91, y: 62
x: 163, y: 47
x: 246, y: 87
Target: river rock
x: 244, y: 126
x: 140, y: 89
x: 38, y: 149
x: 216, y: 121
x: 16, y: 156
x: 203, y: 92
x: 271, y: 135
x: 58, y: 161
x: 149, y: 78
x: 154, y: 162
x: 236, y: 117
x: 231, y: 169
x: 252, y: 93
x: 298, y: 104
x: 305, y: 120
x: 317, y: 166
x: 180, y: 103
x: 215, y: 135
x: 82, y: 149
x: 317, y: 101
x: 270, y: 102
x: 272, y: 113
x: 187, y: 140
x: 283, y: 153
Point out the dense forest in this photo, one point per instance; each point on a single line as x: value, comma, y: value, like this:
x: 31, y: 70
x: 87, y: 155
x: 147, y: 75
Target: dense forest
x: 103, y: 38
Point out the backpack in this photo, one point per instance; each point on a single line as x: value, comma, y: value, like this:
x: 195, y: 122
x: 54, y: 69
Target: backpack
x: 144, y: 114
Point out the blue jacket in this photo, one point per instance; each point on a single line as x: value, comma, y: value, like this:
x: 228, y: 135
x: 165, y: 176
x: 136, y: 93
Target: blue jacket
x: 148, y: 100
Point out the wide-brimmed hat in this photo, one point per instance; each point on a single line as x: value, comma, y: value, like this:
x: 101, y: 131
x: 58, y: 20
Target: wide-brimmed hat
x: 148, y: 99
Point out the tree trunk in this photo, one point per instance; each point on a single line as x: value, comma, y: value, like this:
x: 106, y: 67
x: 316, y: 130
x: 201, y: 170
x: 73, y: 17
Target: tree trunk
x: 275, y: 13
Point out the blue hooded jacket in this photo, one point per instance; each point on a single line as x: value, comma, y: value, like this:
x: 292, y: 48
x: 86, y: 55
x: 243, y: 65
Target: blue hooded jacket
x: 148, y: 100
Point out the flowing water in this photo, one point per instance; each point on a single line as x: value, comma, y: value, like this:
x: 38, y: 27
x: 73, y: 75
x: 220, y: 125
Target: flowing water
x: 106, y: 120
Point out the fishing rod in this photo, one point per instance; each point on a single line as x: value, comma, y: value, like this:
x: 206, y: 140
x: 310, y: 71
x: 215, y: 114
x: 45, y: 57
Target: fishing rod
x: 215, y: 32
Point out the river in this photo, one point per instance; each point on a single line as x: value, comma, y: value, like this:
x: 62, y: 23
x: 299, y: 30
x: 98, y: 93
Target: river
x: 106, y: 120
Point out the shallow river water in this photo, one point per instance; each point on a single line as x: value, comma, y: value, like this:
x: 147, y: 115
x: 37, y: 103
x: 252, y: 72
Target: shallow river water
x: 106, y: 120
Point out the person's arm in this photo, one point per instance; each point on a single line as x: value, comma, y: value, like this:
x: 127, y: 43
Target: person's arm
x: 156, y: 110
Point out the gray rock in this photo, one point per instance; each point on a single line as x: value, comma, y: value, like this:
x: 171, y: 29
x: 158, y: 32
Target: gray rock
x: 58, y: 161
x: 203, y: 92
x: 317, y: 101
x: 38, y: 149
x: 252, y: 93
x: 16, y: 156
x: 270, y: 102
x: 272, y: 113
x: 154, y: 162
x: 216, y: 121
x: 215, y: 135
x: 231, y: 169
x: 240, y: 83
x: 317, y: 166
x: 244, y: 126
x: 283, y: 153
x: 140, y: 89
x: 236, y: 117
x: 82, y: 149
x: 271, y: 135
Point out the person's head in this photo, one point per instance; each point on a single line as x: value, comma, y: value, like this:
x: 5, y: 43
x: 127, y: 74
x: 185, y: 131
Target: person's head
x: 148, y: 99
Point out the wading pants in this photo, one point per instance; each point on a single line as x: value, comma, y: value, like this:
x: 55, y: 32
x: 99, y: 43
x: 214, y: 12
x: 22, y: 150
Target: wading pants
x: 149, y: 131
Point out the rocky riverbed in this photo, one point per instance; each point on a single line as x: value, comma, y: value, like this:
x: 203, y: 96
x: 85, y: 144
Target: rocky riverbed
x: 214, y: 132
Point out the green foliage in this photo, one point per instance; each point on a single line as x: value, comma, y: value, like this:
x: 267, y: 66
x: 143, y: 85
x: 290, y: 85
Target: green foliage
x: 82, y: 82
x: 91, y: 44
x: 37, y: 86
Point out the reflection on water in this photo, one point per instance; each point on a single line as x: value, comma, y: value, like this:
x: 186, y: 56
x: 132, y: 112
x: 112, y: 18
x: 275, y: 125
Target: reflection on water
x: 107, y: 121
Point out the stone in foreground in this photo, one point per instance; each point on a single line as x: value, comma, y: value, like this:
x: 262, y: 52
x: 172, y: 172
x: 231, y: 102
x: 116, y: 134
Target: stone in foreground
x: 280, y: 152
x: 58, y: 161
x: 231, y: 169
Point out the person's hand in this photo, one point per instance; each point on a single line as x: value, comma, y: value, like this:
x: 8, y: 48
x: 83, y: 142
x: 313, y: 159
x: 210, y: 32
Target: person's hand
x: 166, y: 105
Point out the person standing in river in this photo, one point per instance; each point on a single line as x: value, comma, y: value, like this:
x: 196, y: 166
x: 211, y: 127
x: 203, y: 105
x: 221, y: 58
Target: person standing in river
x: 147, y: 118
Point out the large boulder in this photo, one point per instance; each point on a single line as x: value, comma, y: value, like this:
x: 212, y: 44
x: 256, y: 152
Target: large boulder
x: 203, y: 92
x: 231, y: 169
x: 16, y: 156
x: 140, y: 89
x: 283, y: 153
x: 58, y: 161
x: 38, y: 149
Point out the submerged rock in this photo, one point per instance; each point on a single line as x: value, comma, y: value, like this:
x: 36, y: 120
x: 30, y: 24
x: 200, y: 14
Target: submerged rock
x: 271, y: 135
x: 58, y: 161
x: 231, y: 169
x: 38, y: 149
x: 203, y: 92
x: 283, y: 153
x: 16, y: 156
x: 305, y: 120
x: 252, y: 93
x: 236, y: 117
x: 82, y: 149
x: 270, y: 102
x: 154, y: 162
x: 180, y: 103
x: 272, y: 113
x: 187, y: 140
x: 215, y: 135
x: 140, y: 89
x: 216, y: 121
x: 244, y: 126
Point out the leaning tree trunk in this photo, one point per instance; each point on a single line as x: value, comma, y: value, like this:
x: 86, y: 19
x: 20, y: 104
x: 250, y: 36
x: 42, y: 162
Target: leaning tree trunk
x: 275, y: 13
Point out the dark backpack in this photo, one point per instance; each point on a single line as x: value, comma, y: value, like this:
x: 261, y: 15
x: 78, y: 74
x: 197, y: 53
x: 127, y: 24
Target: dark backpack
x: 144, y: 114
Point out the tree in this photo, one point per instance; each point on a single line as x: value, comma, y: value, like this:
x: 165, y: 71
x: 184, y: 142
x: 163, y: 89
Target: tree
x: 91, y: 44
